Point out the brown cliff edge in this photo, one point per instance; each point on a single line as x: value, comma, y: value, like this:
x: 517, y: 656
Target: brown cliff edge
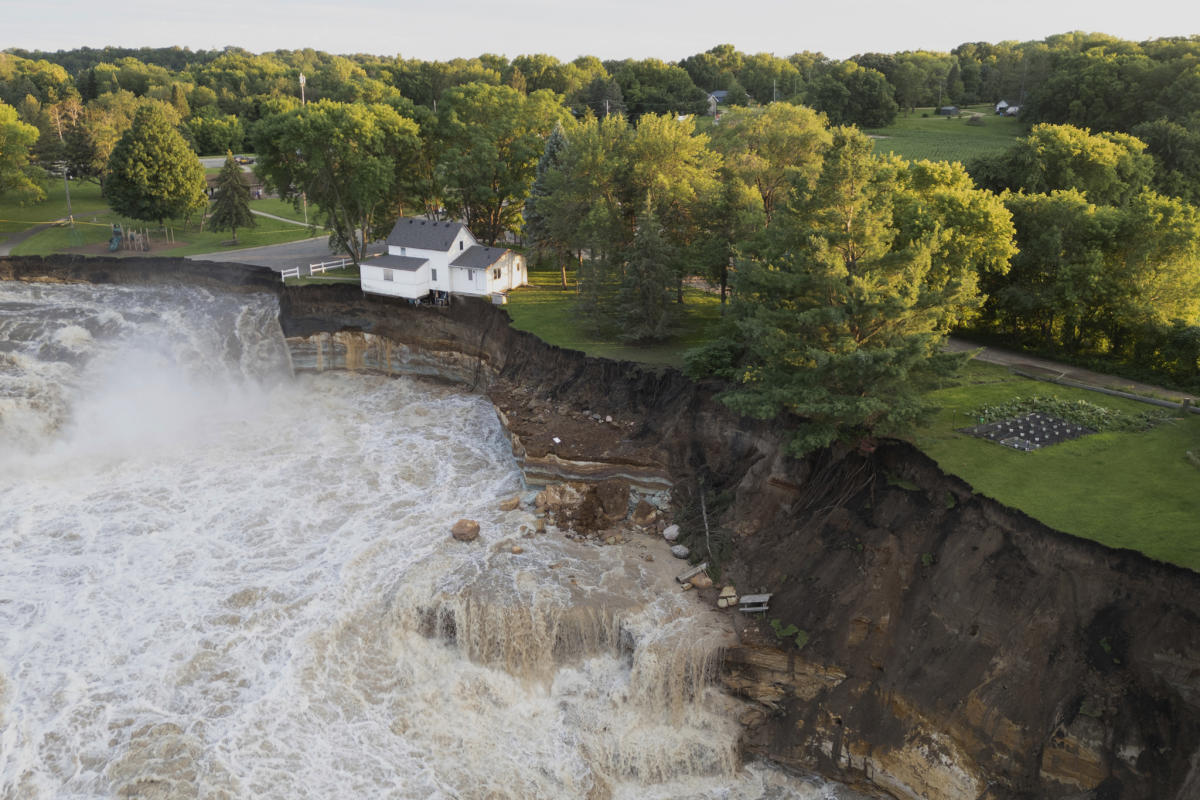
x: 955, y: 647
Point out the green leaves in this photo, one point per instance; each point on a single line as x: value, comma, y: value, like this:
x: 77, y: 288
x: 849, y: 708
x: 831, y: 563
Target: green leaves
x: 17, y: 177
x: 153, y: 173
x: 839, y: 307
x: 354, y: 162
x: 492, y: 138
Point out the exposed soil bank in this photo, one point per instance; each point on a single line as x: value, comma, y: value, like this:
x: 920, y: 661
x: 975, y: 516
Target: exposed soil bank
x: 952, y: 648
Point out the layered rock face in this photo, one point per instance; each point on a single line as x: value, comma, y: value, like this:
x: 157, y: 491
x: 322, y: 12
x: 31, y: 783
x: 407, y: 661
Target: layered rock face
x: 922, y: 640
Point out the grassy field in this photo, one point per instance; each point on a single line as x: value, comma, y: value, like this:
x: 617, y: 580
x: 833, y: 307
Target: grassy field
x: 85, y: 201
x: 1134, y: 490
x: 549, y: 311
x: 346, y: 275
x: 281, y: 208
x: 947, y: 138
x: 93, y: 226
x: 89, y: 237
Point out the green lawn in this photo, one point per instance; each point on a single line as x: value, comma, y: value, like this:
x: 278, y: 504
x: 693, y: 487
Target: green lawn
x: 345, y: 275
x: 85, y: 201
x: 281, y: 208
x: 1134, y: 490
x: 947, y: 138
x: 90, y: 234
x: 550, y: 312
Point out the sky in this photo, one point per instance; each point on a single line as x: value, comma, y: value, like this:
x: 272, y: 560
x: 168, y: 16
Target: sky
x: 569, y: 28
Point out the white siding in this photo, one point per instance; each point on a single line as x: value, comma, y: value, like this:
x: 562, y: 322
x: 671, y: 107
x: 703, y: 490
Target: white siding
x: 405, y: 283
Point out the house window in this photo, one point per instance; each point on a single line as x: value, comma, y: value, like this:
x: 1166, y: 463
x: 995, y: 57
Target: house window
x: 460, y: 245
x: 433, y: 272
x: 496, y: 273
x: 387, y: 274
x: 403, y: 251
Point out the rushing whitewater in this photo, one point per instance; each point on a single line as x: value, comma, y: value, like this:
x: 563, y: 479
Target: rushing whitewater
x: 221, y: 580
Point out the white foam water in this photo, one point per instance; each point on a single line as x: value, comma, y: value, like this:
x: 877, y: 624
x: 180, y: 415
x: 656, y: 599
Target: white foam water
x: 223, y: 581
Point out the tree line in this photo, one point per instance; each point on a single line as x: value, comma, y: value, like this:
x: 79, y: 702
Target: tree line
x: 843, y: 269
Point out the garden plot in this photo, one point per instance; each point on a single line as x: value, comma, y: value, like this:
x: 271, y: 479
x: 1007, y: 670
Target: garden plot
x: 1029, y: 432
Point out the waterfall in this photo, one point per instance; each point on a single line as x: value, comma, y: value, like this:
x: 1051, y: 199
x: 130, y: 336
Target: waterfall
x: 225, y: 580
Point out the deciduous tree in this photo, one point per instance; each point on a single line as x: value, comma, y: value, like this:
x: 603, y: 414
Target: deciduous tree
x: 17, y: 177
x: 352, y: 161
x: 492, y: 138
x: 152, y: 173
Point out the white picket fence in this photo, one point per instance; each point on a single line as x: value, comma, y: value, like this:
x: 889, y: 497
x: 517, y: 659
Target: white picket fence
x: 316, y: 269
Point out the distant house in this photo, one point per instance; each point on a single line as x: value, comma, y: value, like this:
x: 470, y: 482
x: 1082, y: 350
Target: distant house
x: 1012, y: 111
x: 716, y: 98
x: 427, y: 258
x: 948, y: 111
x: 1001, y: 107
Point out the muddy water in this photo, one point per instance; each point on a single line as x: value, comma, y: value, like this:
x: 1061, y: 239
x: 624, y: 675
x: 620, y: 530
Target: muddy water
x: 220, y: 580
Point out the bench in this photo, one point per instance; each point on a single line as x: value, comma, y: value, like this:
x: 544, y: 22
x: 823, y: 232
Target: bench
x: 754, y: 602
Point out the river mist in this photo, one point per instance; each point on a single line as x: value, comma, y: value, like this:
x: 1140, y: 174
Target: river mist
x: 221, y: 579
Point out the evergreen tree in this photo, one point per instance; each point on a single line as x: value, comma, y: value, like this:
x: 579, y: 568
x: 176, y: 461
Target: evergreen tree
x: 838, y: 313
x: 179, y: 101
x: 539, y: 212
x: 602, y: 97
x: 231, y: 203
x: 645, y: 308
x: 153, y: 174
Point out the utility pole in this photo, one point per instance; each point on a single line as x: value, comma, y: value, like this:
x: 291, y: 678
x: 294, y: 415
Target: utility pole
x: 774, y: 94
x: 303, y: 195
x: 67, y: 189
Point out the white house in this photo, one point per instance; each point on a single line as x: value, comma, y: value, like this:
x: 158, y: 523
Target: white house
x: 441, y: 258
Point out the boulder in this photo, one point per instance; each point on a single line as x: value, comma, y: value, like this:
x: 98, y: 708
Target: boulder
x: 558, y: 496
x: 680, y: 551
x: 671, y: 533
x: 465, y: 530
x: 511, y: 503
x: 614, y: 498
x: 700, y: 580
x: 644, y: 514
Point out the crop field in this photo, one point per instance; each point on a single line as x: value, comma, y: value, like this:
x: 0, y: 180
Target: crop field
x: 947, y: 138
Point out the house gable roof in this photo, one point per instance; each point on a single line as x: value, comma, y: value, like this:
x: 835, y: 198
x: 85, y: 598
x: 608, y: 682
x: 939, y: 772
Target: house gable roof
x: 423, y: 234
x: 478, y: 257
x: 406, y: 263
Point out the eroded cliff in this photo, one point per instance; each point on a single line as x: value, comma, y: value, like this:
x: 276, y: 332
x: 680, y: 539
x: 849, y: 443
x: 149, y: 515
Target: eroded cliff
x: 951, y: 647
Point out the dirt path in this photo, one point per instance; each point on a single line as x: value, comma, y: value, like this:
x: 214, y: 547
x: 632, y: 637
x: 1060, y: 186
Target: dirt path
x: 1044, y: 367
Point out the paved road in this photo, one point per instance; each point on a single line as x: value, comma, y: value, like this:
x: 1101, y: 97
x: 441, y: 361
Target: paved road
x: 277, y: 256
x: 281, y: 219
x: 214, y: 161
x: 14, y: 239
